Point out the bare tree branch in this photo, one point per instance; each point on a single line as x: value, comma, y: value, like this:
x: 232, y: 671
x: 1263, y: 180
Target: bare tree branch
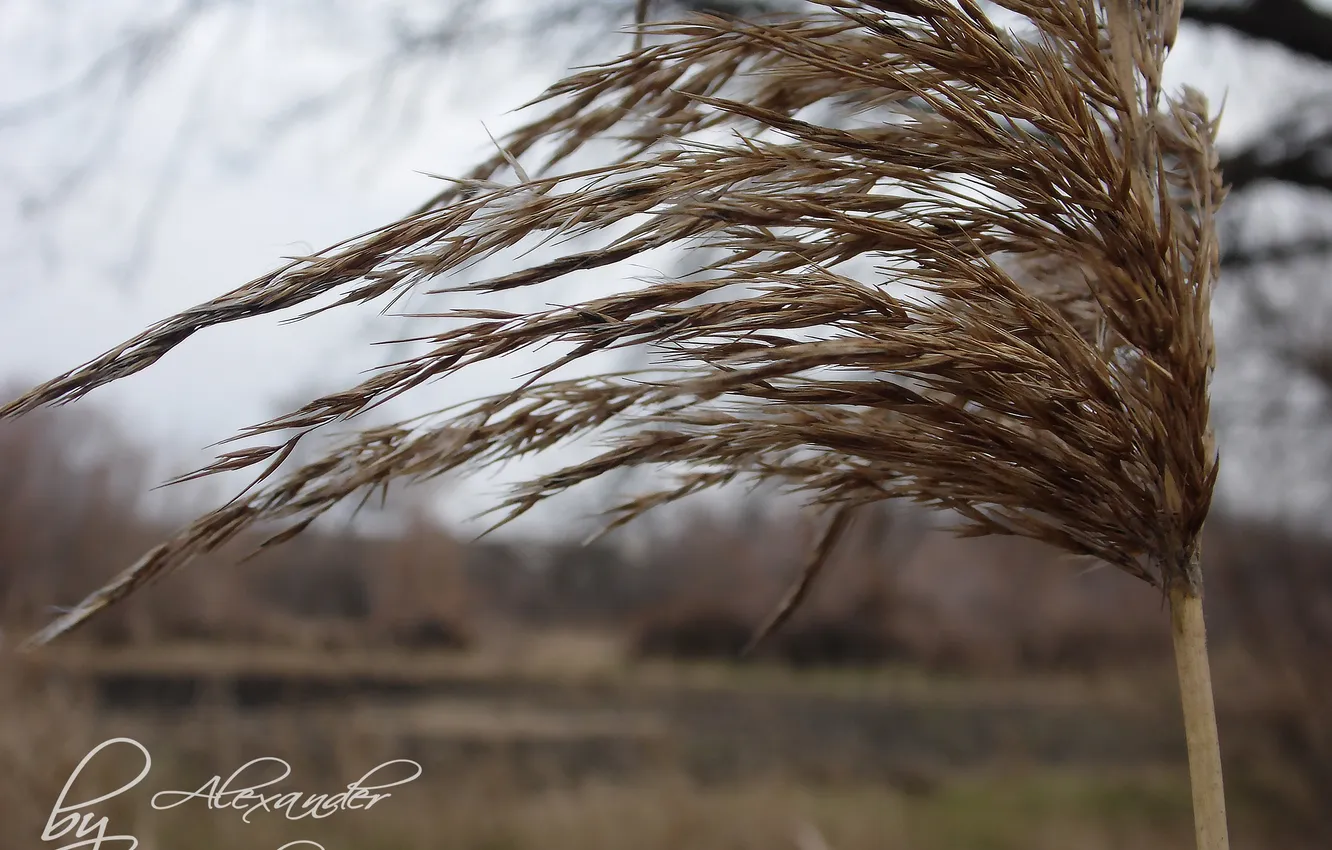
x: 1292, y: 24
x: 1280, y: 157
x: 1242, y: 257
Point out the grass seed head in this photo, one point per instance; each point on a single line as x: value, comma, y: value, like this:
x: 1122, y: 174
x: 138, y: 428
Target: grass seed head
x: 1030, y: 347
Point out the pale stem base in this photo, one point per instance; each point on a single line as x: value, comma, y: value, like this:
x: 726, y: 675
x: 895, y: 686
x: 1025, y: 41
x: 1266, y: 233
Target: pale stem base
x: 1195, y: 686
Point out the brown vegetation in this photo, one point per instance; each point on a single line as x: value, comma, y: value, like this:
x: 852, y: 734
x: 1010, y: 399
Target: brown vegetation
x: 65, y: 519
x: 901, y: 595
x: 1037, y: 187
x: 1055, y: 208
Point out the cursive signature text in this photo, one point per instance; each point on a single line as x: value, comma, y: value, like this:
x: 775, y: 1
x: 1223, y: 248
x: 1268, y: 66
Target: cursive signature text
x: 68, y: 817
x: 247, y: 790
x: 233, y: 793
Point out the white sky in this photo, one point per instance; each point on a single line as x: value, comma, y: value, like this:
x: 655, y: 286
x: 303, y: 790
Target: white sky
x: 229, y: 208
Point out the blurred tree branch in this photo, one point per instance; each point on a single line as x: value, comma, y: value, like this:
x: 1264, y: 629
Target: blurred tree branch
x: 1289, y: 154
x: 1292, y: 24
x: 1243, y: 258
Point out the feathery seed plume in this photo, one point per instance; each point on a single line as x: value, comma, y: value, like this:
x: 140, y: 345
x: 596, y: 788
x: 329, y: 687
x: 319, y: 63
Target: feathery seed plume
x: 1031, y: 349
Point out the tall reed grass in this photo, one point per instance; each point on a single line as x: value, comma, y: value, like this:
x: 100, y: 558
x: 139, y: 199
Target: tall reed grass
x: 1031, y: 351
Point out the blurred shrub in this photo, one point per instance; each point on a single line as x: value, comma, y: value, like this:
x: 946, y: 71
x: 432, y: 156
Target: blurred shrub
x: 693, y: 634
x: 829, y: 642
x: 430, y: 634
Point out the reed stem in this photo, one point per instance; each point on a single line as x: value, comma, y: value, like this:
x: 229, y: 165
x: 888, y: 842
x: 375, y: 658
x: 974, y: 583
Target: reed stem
x: 1195, y: 686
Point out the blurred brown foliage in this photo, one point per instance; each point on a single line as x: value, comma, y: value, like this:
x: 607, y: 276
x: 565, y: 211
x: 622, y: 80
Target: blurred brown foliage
x: 68, y: 519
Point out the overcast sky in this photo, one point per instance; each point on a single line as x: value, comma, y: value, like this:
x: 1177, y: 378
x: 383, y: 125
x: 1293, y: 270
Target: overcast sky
x: 199, y: 153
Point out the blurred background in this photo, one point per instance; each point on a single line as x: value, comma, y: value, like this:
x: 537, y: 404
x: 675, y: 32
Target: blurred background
x: 934, y: 693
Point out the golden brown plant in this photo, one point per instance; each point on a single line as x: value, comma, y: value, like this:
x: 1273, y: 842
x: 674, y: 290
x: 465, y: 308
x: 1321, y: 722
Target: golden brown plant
x: 1031, y: 351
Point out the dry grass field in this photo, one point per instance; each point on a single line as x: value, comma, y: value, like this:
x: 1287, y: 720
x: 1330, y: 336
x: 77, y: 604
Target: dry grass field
x: 575, y: 745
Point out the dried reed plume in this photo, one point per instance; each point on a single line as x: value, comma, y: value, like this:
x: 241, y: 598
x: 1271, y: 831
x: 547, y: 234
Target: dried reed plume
x: 1032, y: 349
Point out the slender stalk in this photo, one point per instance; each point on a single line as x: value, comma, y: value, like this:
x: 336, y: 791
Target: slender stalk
x: 1195, y: 687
